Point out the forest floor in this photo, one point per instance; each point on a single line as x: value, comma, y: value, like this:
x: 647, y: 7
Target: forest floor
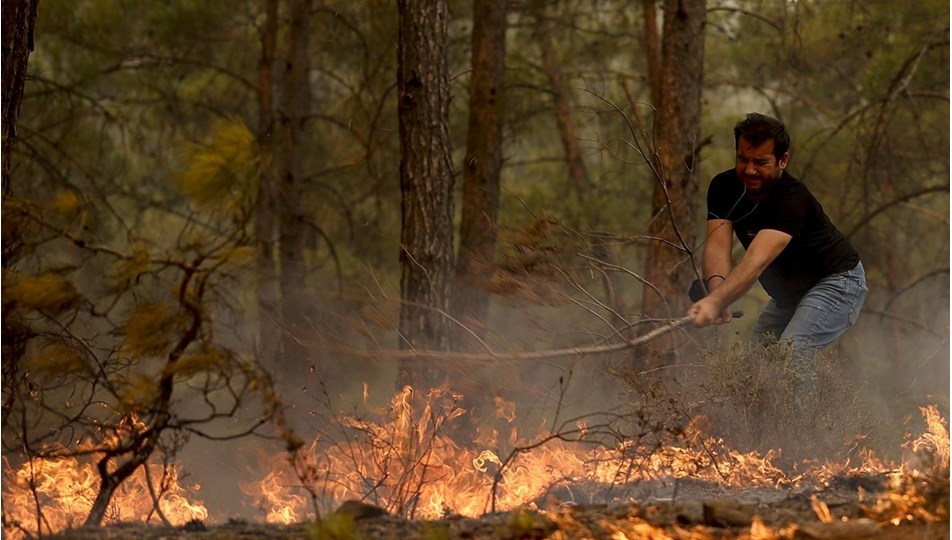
x: 685, y: 510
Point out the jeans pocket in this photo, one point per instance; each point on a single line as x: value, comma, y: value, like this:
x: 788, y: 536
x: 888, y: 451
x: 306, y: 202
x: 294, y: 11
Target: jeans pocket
x: 859, y: 298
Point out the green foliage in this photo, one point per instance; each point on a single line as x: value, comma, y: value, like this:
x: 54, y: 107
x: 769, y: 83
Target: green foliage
x: 524, y: 523
x: 221, y: 176
x: 47, y: 292
x: 51, y: 360
x: 151, y: 329
x: 128, y: 268
x: 137, y: 392
x: 235, y: 257
x: 197, y: 363
x: 66, y: 202
x: 436, y: 530
x: 334, y: 526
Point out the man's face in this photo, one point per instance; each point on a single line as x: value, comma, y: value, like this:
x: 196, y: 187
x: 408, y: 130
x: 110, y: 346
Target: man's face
x: 757, y: 167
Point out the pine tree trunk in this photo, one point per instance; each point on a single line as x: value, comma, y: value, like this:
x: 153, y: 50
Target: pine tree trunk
x: 580, y: 186
x: 652, y: 50
x: 481, y: 170
x: 19, y: 19
x: 268, y: 293
x: 426, y: 183
x: 674, y: 202
x: 587, y: 217
x: 295, y: 101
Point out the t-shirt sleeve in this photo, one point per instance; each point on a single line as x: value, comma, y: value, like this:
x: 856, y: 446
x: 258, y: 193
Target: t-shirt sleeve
x: 718, y: 198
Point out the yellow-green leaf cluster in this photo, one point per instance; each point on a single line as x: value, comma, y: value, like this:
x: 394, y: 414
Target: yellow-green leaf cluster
x: 150, y: 330
x: 55, y: 359
x: 136, y: 263
x: 237, y: 256
x: 221, y: 175
x: 47, y: 292
x: 138, y: 392
x: 194, y: 364
x: 66, y: 201
x: 524, y: 523
x: 334, y: 526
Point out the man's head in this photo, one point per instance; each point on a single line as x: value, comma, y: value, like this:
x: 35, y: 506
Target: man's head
x: 762, y: 145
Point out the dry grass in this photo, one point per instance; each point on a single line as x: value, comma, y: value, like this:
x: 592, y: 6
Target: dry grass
x: 754, y: 397
x: 748, y: 396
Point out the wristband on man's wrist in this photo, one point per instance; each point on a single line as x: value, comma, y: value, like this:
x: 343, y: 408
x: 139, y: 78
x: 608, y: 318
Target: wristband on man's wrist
x: 709, y: 278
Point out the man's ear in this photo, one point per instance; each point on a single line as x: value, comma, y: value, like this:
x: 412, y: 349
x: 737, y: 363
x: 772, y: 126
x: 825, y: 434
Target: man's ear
x: 783, y: 160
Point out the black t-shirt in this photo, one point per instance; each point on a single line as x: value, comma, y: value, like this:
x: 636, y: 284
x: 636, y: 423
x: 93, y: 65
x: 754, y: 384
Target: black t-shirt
x: 817, y: 249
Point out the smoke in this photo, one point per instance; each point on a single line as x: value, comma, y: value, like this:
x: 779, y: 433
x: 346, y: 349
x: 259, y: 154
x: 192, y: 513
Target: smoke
x: 870, y: 383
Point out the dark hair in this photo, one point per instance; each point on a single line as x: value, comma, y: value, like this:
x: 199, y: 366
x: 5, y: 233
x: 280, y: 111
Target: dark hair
x: 759, y: 128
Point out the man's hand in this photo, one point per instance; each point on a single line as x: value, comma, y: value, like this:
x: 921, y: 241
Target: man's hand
x: 708, y: 311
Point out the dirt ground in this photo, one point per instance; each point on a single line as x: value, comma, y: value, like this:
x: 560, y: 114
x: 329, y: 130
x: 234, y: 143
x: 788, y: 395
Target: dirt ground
x: 680, y: 510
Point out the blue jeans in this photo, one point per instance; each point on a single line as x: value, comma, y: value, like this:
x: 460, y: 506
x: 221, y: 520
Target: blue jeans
x: 817, y: 320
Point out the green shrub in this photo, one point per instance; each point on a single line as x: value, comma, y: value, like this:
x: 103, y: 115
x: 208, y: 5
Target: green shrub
x: 333, y: 526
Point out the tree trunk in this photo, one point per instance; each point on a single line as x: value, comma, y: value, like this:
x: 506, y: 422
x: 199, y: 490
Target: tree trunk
x: 481, y: 170
x: 652, y: 54
x: 19, y: 20
x: 677, y: 123
x: 426, y: 183
x: 295, y: 101
x: 587, y: 219
x: 579, y: 186
x: 268, y: 294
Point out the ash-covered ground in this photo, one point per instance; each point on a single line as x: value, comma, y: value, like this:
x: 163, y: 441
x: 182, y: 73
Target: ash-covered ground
x: 847, y: 507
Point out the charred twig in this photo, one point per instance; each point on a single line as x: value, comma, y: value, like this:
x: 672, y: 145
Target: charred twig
x: 561, y: 435
x: 156, y: 507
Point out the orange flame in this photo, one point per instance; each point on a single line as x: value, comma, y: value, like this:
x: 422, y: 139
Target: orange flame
x: 919, y: 488
x: 407, y: 466
x: 411, y: 467
x: 64, y: 488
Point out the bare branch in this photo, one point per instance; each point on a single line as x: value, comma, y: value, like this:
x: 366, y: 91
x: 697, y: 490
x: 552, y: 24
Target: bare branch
x: 668, y: 325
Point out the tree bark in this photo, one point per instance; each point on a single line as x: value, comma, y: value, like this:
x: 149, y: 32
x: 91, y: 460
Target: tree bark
x: 426, y: 183
x: 295, y: 101
x: 268, y: 294
x: 481, y: 169
x: 588, y: 217
x: 19, y: 20
x: 580, y: 186
x: 674, y: 202
x: 652, y: 52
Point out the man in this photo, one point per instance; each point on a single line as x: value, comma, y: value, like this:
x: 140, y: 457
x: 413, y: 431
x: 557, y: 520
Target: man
x: 813, y: 275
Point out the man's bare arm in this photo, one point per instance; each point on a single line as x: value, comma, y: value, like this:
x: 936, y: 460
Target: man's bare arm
x: 717, y: 251
x: 764, y: 248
